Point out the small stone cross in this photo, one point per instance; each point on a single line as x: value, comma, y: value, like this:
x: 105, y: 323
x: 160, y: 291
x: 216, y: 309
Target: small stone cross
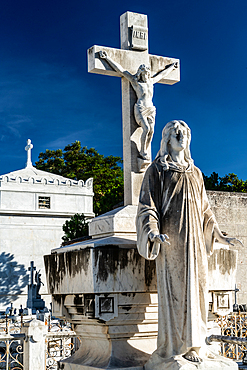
x: 133, y: 54
x: 32, y: 268
x: 28, y: 148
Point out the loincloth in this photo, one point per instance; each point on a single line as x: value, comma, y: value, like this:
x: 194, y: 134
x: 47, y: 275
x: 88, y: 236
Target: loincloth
x: 141, y: 112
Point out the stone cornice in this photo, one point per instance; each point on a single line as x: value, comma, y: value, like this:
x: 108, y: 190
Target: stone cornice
x: 47, y: 181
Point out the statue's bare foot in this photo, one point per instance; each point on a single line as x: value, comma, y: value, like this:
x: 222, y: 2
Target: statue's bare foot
x: 191, y: 355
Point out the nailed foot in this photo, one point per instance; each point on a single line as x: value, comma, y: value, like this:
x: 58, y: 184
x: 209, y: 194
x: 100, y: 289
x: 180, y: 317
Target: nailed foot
x: 144, y: 156
x: 191, y: 355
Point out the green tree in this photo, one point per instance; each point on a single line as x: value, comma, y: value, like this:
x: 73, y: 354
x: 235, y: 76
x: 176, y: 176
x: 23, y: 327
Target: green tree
x: 80, y: 163
x: 228, y: 182
x: 75, y: 228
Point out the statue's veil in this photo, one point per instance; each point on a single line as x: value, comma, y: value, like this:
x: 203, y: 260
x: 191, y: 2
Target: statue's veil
x: 163, y: 154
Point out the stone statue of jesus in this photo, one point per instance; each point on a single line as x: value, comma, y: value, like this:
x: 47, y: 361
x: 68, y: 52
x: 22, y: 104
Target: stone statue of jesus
x: 176, y: 226
x: 143, y: 85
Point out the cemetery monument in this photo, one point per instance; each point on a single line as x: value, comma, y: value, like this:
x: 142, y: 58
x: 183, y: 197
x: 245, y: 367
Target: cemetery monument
x: 104, y: 286
x: 34, y: 300
x: 137, y: 106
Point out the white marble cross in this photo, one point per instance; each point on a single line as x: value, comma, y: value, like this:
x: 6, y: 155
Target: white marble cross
x: 28, y: 148
x: 133, y: 53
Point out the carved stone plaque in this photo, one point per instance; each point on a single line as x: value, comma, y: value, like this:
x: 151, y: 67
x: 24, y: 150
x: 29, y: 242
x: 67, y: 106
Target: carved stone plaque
x: 223, y: 301
x: 139, y: 39
x: 106, y: 305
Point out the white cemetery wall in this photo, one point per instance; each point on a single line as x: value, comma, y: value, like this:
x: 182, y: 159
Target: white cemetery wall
x: 230, y: 210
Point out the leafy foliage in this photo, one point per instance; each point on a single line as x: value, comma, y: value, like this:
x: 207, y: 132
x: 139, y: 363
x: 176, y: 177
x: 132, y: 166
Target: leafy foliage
x: 75, y: 228
x: 80, y: 163
x: 228, y: 182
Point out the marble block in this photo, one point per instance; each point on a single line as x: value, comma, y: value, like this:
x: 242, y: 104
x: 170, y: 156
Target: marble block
x: 119, y: 222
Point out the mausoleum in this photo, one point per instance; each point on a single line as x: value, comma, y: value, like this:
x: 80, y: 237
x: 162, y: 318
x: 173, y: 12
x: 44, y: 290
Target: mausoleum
x: 34, y: 205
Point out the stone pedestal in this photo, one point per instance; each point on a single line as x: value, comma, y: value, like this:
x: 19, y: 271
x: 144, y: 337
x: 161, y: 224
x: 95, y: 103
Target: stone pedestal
x: 33, y: 302
x: 34, y: 345
x: 108, y: 292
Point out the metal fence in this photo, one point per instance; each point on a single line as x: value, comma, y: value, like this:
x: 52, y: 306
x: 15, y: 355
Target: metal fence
x: 11, y: 344
x: 234, y: 325
x: 61, y: 342
x: 11, y: 352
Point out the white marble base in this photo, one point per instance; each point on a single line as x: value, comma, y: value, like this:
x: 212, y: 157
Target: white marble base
x: 119, y: 222
x: 180, y: 363
x: 124, y: 341
x: 82, y: 367
x: 176, y: 363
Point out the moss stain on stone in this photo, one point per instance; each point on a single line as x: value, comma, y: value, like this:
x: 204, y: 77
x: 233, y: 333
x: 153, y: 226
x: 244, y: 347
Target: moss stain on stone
x: 226, y: 260
x: 111, y: 261
x: 150, y: 272
x: 55, y: 269
x: 76, y: 261
x: 68, y: 264
x: 106, y: 260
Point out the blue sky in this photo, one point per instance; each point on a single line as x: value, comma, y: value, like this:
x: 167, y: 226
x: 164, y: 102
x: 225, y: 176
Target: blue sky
x: 47, y: 95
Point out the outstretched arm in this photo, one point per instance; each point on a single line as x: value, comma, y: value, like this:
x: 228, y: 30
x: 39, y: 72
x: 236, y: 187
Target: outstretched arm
x: 165, y: 72
x: 116, y: 66
x: 225, y: 239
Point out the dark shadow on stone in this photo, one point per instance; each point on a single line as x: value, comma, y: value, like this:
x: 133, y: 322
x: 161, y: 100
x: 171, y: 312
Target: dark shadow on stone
x: 13, y: 278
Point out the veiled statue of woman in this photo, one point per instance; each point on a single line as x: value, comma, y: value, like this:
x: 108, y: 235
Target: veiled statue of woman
x: 176, y: 226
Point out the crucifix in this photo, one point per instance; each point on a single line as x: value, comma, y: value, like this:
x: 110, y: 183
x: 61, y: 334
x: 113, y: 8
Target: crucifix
x: 28, y: 148
x: 32, y: 268
x: 129, y: 62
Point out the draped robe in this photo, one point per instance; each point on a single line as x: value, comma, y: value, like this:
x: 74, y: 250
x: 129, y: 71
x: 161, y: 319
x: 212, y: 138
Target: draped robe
x: 142, y: 112
x: 173, y: 201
